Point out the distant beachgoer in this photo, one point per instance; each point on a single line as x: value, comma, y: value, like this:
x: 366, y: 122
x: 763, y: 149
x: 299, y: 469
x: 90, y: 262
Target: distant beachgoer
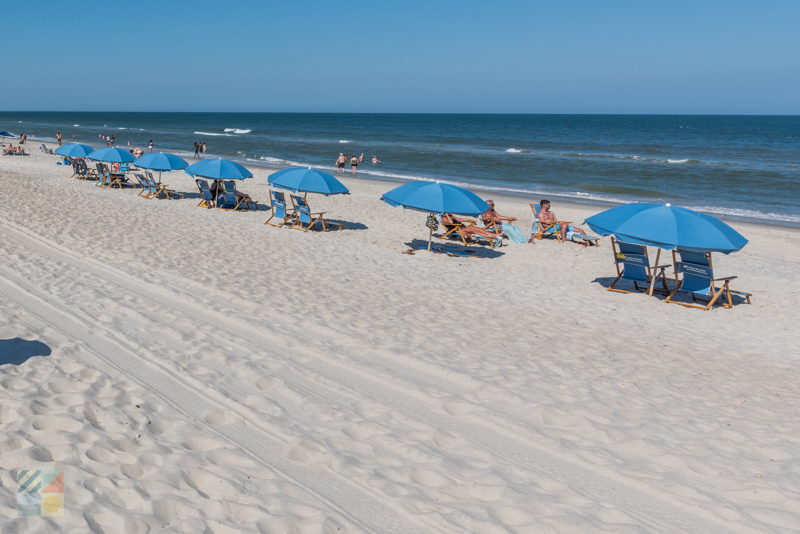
x: 58, y: 138
x: 375, y: 160
x: 340, y: 162
x: 112, y: 140
x: 22, y: 138
x: 150, y: 145
x: 361, y: 158
x: 196, y: 150
x: 203, y: 148
x: 354, y: 164
x: 138, y: 152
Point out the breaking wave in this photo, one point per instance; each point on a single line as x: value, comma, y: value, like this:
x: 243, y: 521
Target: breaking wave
x: 236, y: 130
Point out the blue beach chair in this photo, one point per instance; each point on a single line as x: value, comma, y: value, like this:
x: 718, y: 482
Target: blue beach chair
x: 156, y: 189
x: 104, y: 177
x: 207, y: 199
x: 305, y: 220
x: 279, y: 210
x: 228, y: 199
x: 698, y: 281
x: 633, y: 265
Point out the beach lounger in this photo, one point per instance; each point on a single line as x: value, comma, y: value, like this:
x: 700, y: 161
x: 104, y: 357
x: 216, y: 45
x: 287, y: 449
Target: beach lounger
x: 698, y: 281
x: 305, y: 220
x: 104, y: 177
x: 228, y: 200
x: 279, y: 210
x: 207, y: 199
x: 156, y: 189
x: 244, y: 202
x: 633, y: 265
x: 540, y: 230
x: 144, y: 184
x: 457, y: 229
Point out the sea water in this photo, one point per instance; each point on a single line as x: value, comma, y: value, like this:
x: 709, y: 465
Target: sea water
x: 746, y: 166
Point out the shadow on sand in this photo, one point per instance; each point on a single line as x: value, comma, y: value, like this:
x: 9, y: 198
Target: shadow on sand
x: 421, y: 245
x: 17, y: 350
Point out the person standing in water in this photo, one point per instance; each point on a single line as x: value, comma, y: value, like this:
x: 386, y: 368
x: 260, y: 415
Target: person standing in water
x: 196, y: 150
x: 58, y: 138
x: 340, y: 162
x: 150, y: 145
x: 354, y: 164
x: 375, y: 160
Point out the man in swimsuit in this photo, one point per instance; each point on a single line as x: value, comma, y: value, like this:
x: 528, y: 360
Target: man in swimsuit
x: 354, y: 164
x: 491, y: 217
x: 547, y: 216
x: 340, y: 162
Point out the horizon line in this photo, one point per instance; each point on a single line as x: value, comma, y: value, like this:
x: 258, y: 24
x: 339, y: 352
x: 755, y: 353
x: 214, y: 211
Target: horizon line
x: 416, y: 113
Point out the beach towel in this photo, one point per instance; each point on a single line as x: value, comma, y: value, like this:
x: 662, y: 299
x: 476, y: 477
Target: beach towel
x: 515, y: 234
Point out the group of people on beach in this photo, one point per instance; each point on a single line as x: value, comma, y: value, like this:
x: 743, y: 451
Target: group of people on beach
x: 199, y: 148
x: 493, y: 224
x: 354, y: 160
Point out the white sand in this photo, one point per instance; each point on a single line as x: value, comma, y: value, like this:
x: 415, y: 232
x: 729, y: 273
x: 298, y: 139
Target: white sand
x: 212, y: 374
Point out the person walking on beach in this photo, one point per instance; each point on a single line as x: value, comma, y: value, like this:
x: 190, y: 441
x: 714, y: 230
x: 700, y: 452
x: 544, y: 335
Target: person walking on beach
x: 150, y: 145
x: 58, y: 138
x: 354, y: 164
x: 196, y: 150
x: 22, y: 138
x: 340, y: 162
x: 202, y: 148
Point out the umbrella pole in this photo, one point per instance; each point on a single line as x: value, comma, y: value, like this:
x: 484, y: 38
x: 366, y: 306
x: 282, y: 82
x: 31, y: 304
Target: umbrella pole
x: 430, y: 238
x: 654, y: 270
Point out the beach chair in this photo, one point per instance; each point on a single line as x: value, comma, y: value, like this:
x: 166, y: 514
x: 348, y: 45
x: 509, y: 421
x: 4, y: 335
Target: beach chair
x: 144, y: 184
x: 103, y: 175
x: 156, y: 189
x: 230, y: 185
x: 279, y: 210
x: 633, y: 265
x: 228, y: 200
x: 698, y: 281
x: 540, y: 230
x: 207, y: 199
x: 305, y: 220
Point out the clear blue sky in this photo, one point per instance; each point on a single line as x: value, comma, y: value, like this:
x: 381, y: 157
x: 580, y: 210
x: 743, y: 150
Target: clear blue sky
x: 407, y: 56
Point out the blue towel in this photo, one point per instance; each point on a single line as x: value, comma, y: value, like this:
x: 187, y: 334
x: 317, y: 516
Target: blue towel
x: 515, y: 234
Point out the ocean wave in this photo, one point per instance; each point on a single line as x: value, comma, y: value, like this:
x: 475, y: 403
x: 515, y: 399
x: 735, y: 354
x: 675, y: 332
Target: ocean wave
x: 517, y: 151
x: 345, y: 141
x: 76, y: 125
x: 634, y: 157
x: 236, y: 131
x: 215, y: 134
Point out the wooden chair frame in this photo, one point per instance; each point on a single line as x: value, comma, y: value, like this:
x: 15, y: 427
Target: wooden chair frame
x: 713, y: 295
x: 654, y: 272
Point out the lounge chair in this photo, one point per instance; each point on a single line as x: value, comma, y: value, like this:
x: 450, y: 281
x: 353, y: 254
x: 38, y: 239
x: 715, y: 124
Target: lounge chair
x: 206, y: 198
x: 245, y: 200
x: 228, y: 200
x: 540, y: 230
x: 144, y: 184
x: 156, y: 189
x: 633, y: 265
x: 305, y: 220
x: 458, y: 229
x: 699, y: 282
x: 104, y: 177
x: 279, y: 210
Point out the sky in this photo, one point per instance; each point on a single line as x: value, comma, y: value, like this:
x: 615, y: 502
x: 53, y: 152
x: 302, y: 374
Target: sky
x: 715, y: 57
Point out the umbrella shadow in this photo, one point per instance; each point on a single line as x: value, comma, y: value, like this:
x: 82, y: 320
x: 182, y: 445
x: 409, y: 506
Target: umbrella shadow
x: 625, y: 285
x: 471, y: 251
x: 17, y: 351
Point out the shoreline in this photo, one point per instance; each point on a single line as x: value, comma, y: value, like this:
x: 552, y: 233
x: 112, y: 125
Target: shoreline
x: 480, y: 189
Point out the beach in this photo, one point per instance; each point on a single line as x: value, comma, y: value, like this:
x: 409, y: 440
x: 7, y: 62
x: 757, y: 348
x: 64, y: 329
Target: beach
x: 208, y: 373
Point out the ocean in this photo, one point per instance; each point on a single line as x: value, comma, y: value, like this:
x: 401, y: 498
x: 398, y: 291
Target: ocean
x: 737, y: 166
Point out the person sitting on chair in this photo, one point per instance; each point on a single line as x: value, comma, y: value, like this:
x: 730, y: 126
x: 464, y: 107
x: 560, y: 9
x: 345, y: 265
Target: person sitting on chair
x: 490, y: 217
x: 564, y: 228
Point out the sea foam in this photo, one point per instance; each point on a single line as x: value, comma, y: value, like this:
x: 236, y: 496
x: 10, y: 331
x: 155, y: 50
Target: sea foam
x: 236, y: 130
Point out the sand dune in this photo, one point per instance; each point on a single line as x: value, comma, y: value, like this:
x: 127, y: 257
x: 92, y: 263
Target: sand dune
x: 212, y: 374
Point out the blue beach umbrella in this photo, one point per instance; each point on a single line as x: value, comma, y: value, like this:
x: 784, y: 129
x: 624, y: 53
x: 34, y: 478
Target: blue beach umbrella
x: 111, y: 155
x: 435, y: 197
x: 307, y: 181
x: 74, y: 150
x: 160, y: 161
x: 218, y: 169
x: 667, y: 227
